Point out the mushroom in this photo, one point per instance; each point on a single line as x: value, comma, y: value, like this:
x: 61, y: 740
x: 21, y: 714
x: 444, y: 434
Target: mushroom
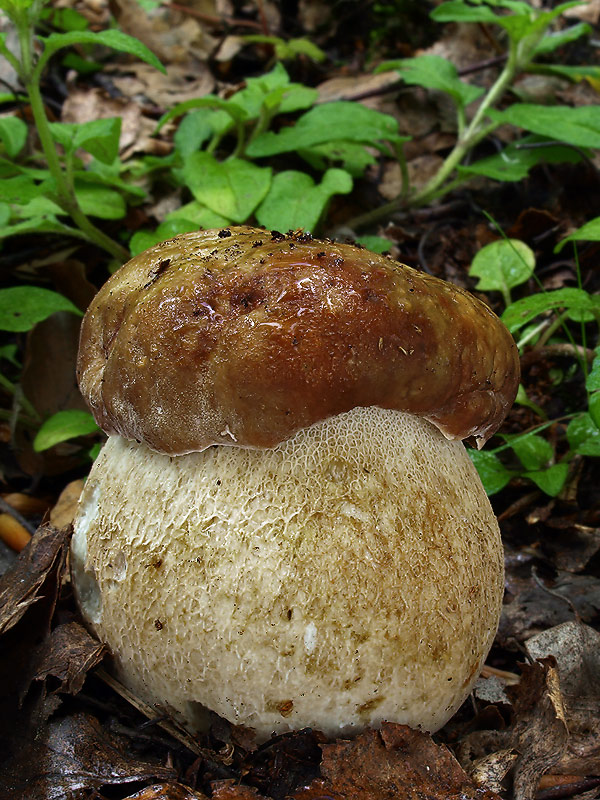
x: 284, y: 527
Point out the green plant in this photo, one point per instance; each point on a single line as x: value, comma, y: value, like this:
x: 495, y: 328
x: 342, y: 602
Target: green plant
x: 554, y: 133
x: 220, y: 142
x: 537, y: 320
x: 21, y: 308
x: 36, y: 197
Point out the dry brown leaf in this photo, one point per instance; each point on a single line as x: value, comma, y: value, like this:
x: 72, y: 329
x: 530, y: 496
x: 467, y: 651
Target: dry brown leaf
x: 166, y: 791
x: 67, y: 656
x: 39, y: 563
x: 540, y: 733
x: 63, y: 512
x: 232, y: 790
x: 71, y: 755
x: 396, y: 763
x: 85, y: 105
x: 180, y: 83
x: 576, y: 648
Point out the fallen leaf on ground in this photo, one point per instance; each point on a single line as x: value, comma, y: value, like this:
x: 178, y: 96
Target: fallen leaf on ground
x: 395, y: 763
x: 540, y: 734
x: 27, y: 580
x: 576, y: 648
x: 70, y: 755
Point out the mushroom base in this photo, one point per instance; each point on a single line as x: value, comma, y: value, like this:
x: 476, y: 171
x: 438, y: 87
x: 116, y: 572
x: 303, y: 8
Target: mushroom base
x: 352, y: 574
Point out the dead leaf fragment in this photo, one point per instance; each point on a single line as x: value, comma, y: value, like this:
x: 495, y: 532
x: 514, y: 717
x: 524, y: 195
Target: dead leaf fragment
x: 576, y: 648
x: 70, y: 755
x: 166, y: 791
x: 540, y: 734
x: 21, y: 585
x: 395, y: 763
x: 63, y: 513
x: 67, y: 656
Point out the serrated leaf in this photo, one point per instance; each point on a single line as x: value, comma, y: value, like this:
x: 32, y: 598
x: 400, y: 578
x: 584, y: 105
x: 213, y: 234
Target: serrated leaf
x: 13, y: 135
x: 22, y: 307
x: 62, y: 426
x: 492, y: 472
x: 590, y: 232
x: 518, y: 158
x: 350, y: 121
x: 579, y: 126
x: 551, y: 480
x: 117, y: 40
x: 232, y: 188
x: 502, y: 265
x: 584, y: 436
x: 295, y: 201
x: 435, y: 72
x: 524, y: 310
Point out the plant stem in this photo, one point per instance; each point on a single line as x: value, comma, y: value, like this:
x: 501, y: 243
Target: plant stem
x: 469, y: 136
x: 65, y: 193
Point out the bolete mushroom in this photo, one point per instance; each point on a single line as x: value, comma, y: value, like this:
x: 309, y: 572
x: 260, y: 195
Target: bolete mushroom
x: 283, y: 526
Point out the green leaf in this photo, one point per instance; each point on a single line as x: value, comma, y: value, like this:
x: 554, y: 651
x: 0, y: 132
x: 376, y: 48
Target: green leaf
x: 200, y: 215
x: 592, y: 383
x: 590, y: 232
x: 518, y: 158
x: 458, y: 11
x: 492, y: 471
x: 552, y: 41
x: 573, y: 74
x: 524, y: 310
x: 376, y: 244
x: 110, y: 38
x: 20, y: 189
x: 100, y: 137
x: 99, y: 201
x: 353, y: 156
x: 9, y: 352
x: 4, y: 213
x: 435, y: 72
x: 194, y: 129
x: 295, y: 201
x: 142, y: 240
x: 354, y: 122
x: 62, y: 426
x: 40, y: 225
x: 551, y: 480
x: 594, y: 408
x: 584, y: 436
x: 578, y: 126
x: 13, y: 135
x: 533, y: 451
x: 210, y: 102
x: 233, y: 188
x: 22, y: 307
x: 503, y: 265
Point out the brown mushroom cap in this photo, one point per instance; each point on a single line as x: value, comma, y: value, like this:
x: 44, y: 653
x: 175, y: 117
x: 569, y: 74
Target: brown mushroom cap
x: 244, y: 336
